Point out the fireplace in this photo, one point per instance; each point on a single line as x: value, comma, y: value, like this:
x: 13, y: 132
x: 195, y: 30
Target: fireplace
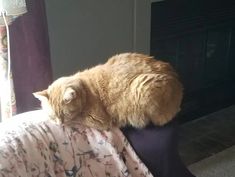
x: 198, y: 38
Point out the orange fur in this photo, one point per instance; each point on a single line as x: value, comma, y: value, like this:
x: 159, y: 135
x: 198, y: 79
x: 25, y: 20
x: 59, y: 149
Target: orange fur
x: 129, y: 89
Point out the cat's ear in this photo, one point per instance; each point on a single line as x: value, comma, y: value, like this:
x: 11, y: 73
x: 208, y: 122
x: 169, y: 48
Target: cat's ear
x: 41, y: 95
x: 69, y: 95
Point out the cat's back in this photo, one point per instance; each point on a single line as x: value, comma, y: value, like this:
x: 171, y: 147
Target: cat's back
x: 142, y: 86
x: 137, y: 63
x: 134, y: 59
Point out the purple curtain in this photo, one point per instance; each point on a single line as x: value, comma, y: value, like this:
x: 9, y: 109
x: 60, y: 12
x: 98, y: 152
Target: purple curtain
x: 30, y: 55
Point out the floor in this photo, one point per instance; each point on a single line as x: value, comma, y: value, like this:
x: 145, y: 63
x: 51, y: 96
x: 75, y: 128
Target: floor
x: 208, y: 135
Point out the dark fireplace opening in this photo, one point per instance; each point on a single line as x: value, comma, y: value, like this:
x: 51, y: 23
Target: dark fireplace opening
x: 198, y: 38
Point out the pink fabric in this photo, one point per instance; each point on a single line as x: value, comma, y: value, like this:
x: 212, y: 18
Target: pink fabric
x: 32, y: 146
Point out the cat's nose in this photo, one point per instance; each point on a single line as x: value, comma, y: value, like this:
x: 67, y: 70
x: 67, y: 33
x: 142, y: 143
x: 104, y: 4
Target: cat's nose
x: 58, y: 121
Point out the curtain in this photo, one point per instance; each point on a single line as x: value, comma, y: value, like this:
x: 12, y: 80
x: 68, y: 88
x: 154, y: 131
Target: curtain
x: 7, y: 95
x: 30, y: 55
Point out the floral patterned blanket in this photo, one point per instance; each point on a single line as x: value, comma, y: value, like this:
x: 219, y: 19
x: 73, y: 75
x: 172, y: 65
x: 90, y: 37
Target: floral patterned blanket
x: 33, y: 146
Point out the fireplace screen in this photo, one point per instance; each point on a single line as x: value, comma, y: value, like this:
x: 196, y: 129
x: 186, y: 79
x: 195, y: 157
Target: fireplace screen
x: 198, y: 38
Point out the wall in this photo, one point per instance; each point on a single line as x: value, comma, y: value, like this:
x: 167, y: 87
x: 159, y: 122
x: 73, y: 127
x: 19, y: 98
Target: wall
x: 86, y: 32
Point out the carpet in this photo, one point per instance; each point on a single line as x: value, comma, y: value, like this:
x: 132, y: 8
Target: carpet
x: 218, y: 165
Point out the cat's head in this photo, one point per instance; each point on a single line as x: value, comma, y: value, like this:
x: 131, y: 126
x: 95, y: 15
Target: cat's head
x: 63, y: 100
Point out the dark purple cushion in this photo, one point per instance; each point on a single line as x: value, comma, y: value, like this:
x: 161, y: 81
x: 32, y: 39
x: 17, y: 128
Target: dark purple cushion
x: 157, y: 147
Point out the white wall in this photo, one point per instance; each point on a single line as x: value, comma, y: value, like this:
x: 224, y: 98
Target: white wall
x: 86, y: 32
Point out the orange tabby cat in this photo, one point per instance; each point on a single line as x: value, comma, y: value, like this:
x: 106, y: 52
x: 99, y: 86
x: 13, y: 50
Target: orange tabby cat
x: 129, y: 89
